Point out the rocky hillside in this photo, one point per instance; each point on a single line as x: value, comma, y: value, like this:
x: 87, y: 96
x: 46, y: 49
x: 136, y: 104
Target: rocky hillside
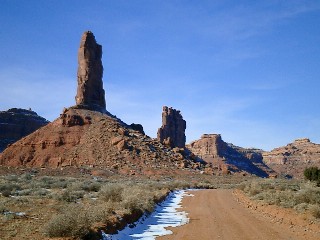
x: 292, y: 159
x: 225, y: 157
x: 81, y: 137
x: 17, y: 123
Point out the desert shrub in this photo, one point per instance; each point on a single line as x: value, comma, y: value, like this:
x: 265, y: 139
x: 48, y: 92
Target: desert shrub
x: 74, y: 222
x: 242, y: 186
x: 315, y: 211
x: 26, y: 177
x: 71, y: 196
x: 301, y: 207
x: 6, y: 193
x: 312, y: 174
x: 91, y: 186
x: 8, y: 189
x: 137, y: 198
x: 60, y: 183
x: 111, y: 192
x: 309, y: 195
x: 24, y: 192
x: 286, y: 193
x: 12, y: 178
x: 179, y: 184
x: 3, y: 209
x: 40, y: 192
x: 46, y: 182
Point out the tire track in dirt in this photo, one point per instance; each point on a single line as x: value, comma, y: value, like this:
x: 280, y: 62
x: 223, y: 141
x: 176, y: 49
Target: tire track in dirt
x: 215, y: 214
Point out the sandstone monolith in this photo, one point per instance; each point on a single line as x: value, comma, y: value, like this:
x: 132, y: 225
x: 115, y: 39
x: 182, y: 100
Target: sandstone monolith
x: 90, y: 92
x: 172, y: 131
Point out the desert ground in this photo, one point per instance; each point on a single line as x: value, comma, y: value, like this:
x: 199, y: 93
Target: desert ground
x: 226, y: 214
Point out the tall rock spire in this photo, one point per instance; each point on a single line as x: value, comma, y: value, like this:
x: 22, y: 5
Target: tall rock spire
x: 90, y: 93
x: 172, y: 131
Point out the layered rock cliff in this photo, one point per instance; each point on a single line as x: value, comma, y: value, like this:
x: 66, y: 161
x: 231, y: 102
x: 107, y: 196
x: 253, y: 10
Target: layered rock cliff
x: 225, y: 157
x: 17, y: 123
x: 172, y: 131
x: 291, y: 160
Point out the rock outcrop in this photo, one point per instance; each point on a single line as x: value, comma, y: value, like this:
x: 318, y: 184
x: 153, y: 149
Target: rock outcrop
x: 291, y: 160
x: 137, y: 127
x: 90, y: 92
x: 81, y: 137
x: 85, y: 136
x: 17, y: 123
x: 228, y: 158
x: 172, y: 131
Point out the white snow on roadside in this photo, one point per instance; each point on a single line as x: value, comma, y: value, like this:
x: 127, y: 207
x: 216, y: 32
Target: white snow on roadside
x: 154, y: 225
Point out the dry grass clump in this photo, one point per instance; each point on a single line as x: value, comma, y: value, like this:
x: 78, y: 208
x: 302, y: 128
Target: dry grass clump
x: 315, y: 211
x: 111, y: 192
x: 113, y: 200
x: 74, y: 222
x: 300, y: 195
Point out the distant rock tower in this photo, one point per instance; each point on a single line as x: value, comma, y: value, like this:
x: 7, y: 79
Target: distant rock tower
x: 172, y: 131
x: 90, y: 93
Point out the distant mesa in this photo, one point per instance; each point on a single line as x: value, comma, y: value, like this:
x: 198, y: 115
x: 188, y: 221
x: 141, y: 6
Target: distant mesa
x: 228, y: 158
x: 172, y: 131
x: 292, y: 159
x: 90, y: 92
x: 17, y: 123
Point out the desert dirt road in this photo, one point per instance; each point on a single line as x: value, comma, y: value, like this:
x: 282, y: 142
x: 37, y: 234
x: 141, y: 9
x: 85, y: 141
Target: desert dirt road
x: 215, y: 214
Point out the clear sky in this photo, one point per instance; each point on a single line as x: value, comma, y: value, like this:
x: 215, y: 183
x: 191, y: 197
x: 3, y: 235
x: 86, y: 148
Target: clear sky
x: 249, y: 70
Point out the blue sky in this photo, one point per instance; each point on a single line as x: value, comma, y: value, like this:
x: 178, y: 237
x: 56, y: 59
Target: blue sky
x: 248, y: 70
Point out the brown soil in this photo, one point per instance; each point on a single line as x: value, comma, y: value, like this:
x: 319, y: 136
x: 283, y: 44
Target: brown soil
x: 218, y: 214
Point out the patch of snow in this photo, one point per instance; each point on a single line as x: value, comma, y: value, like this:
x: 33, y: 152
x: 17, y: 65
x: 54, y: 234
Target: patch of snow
x: 154, y: 225
x: 19, y: 214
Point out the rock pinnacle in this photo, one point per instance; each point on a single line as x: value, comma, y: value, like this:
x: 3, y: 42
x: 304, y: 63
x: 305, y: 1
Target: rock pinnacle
x: 90, y: 92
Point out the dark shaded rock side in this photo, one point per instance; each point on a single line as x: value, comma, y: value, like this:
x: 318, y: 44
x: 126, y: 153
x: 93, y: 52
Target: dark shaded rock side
x: 17, y: 123
x: 138, y: 127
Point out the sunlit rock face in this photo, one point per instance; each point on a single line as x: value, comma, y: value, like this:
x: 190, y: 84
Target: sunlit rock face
x: 172, y: 131
x: 293, y: 158
x: 228, y: 158
x: 90, y: 92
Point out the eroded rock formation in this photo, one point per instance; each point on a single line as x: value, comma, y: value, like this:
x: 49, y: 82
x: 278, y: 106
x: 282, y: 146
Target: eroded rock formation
x: 294, y: 158
x: 90, y: 92
x: 172, y: 131
x: 83, y: 136
x: 225, y: 157
x: 138, y: 127
x: 17, y: 123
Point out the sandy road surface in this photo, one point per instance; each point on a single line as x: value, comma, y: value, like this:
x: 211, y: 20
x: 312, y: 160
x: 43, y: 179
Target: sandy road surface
x: 215, y: 214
